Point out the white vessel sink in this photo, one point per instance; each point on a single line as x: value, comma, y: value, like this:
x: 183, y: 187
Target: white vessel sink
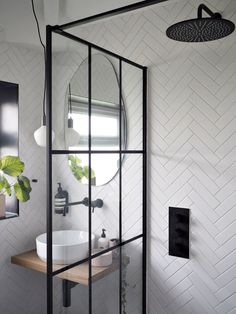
x: 68, y: 246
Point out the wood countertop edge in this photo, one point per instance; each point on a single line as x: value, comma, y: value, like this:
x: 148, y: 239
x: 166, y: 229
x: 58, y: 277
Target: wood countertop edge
x: 30, y: 260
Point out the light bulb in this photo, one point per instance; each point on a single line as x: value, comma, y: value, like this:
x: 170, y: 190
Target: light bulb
x: 40, y: 136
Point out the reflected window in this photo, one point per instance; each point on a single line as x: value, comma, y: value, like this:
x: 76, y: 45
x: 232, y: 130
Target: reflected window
x: 104, y: 123
x: 9, y: 138
x: 101, y: 122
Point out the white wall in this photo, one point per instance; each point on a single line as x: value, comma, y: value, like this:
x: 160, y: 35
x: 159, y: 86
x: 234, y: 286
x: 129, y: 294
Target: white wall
x: 23, y: 291
x: 192, y: 153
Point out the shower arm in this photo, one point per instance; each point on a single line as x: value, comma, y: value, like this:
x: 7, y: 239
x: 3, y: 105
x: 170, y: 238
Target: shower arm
x: 208, y: 11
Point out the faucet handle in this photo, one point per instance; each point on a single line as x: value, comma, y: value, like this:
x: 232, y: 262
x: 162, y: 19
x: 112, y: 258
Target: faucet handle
x: 98, y: 203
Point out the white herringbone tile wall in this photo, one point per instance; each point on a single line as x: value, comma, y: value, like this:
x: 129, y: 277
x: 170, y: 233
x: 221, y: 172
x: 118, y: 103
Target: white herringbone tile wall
x: 192, y: 152
x: 23, y: 291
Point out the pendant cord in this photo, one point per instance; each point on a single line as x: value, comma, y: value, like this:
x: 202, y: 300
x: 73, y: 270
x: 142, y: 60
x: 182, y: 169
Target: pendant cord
x: 70, y: 104
x: 44, y: 50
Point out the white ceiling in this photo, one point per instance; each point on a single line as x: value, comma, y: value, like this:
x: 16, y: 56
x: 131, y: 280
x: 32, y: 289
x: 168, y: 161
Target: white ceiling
x: 17, y: 23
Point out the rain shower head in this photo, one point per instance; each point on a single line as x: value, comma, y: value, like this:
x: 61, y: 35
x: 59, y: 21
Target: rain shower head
x: 201, y: 29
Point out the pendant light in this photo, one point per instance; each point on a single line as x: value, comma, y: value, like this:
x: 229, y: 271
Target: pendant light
x: 72, y: 135
x: 40, y: 133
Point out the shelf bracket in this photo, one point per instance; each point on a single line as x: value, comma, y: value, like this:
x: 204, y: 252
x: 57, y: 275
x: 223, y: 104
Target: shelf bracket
x: 67, y: 285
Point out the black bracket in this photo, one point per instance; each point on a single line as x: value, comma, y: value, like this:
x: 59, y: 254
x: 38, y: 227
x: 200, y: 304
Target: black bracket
x: 67, y: 285
x: 202, y: 7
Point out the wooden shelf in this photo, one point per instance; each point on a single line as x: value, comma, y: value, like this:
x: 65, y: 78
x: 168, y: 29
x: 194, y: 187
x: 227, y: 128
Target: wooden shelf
x: 78, y: 274
x: 9, y: 215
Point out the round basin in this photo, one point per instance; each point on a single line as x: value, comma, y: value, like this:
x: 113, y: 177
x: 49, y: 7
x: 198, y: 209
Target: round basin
x: 68, y: 246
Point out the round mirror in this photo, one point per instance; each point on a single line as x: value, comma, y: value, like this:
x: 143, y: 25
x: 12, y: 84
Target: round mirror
x: 105, y: 112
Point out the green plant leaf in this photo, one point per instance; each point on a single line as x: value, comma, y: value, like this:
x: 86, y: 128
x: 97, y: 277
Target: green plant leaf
x: 12, y: 166
x: 7, y: 187
x: 22, y: 189
x: 75, y: 167
x: 26, y: 183
x: 74, y: 159
x: 4, y: 185
x: 78, y: 171
x: 2, y: 182
x: 86, y: 172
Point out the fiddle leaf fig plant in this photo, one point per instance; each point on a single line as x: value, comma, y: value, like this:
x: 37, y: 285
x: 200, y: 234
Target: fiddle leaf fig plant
x: 12, y: 166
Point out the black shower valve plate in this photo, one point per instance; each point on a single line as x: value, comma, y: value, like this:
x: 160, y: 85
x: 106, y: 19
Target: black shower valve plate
x: 179, y: 232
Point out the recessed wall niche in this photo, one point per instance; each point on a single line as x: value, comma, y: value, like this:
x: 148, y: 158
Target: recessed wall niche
x: 9, y: 134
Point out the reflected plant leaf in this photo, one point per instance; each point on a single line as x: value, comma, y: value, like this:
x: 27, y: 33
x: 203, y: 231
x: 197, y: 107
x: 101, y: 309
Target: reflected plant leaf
x: 78, y: 170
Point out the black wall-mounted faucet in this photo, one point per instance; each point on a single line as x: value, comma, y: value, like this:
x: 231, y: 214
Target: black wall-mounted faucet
x: 97, y: 203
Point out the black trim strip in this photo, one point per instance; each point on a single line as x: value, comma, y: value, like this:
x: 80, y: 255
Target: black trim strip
x: 90, y: 174
x: 49, y: 167
x: 144, y: 257
x: 68, y: 152
x: 120, y: 184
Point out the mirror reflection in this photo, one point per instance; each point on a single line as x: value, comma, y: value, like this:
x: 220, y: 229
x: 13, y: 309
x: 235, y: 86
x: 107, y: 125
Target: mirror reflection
x: 104, y: 121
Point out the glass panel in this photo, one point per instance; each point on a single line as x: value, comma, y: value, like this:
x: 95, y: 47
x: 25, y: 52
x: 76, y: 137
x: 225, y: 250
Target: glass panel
x: 105, y: 102
x: 70, y: 291
x: 106, y: 217
x: 69, y: 81
x: 70, y: 223
x: 103, y: 165
x: 105, y: 290
x: 132, y: 93
x: 132, y: 277
x: 132, y: 195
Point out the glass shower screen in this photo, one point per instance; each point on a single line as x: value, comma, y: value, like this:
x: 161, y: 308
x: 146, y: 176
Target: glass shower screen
x: 99, y: 159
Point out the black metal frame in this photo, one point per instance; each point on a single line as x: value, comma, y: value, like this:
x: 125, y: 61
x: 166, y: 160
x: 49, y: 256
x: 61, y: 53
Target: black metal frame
x: 50, y: 152
x: 111, y: 13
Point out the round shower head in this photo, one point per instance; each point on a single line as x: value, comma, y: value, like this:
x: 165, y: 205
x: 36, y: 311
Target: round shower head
x: 201, y: 29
